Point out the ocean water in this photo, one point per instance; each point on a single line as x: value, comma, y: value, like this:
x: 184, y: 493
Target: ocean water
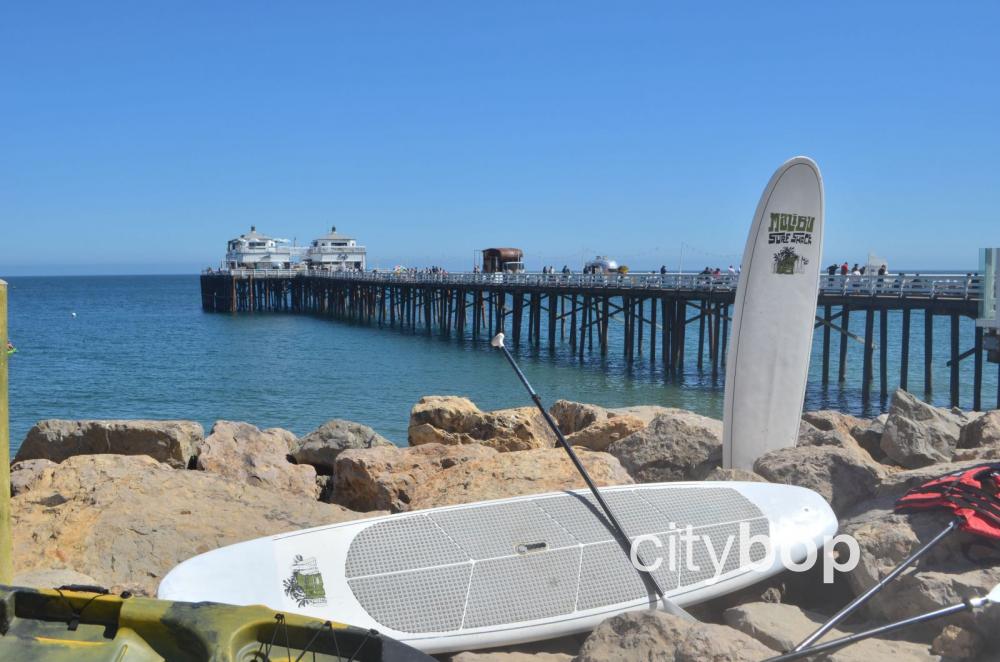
x: 141, y: 347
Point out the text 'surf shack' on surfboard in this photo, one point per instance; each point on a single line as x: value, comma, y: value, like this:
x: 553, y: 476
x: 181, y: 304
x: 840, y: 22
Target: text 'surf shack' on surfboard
x: 768, y: 359
x: 520, y: 569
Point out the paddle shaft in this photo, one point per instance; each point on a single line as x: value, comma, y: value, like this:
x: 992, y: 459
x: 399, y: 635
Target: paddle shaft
x: 798, y: 654
x: 867, y: 595
x: 619, y: 529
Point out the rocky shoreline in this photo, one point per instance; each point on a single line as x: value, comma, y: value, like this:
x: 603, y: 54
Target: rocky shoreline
x: 119, y: 503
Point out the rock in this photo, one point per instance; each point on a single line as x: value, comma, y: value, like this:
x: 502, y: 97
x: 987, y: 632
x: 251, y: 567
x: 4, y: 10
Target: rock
x: 126, y: 520
x: 676, y: 446
x: 172, y: 442
x: 781, y: 627
x: 452, y: 420
x: 917, y: 434
x: 957, y: 644
x: 655, y: 635
x: 895, y: 483
x: 515, y: 474
x: 943, y: 577
x: 246, y: 454
x: 645, y: 413
x: 829, y: 420
x: 742, y: 475
x: 980, y: 438
x: 385, y: 477
x: 842, y: 476
x: 598, y: 436
x: 52, y: 578
x: 500, y: 656
x: 572, y: 416
x: 869, y: 435
x: 321, y: 447
x: 26, y: 473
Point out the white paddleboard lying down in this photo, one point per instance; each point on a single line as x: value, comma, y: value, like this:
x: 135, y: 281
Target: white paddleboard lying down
x: 512, y: 570
x: 773, y: 316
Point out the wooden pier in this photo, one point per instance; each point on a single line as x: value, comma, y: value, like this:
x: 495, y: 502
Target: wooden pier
x: 656, y: 312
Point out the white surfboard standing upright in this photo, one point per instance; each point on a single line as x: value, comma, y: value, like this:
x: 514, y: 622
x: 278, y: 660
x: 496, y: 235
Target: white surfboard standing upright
x: 768, y: 358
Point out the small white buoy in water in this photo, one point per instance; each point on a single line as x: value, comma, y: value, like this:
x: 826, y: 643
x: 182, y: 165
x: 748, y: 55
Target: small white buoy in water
x: 497, y: 340
x: 72, y: 315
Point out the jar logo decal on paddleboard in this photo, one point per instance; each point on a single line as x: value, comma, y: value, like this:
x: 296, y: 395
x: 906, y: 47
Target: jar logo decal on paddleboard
x: 788, y: 262
x: 305, y: 586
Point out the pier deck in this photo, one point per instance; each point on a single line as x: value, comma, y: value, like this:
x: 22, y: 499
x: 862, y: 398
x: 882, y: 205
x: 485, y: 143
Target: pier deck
x: 656, y: 311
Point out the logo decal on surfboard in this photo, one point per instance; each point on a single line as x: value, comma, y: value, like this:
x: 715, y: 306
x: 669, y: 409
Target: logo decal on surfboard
x: 305, y: 586
x: 787, y: 261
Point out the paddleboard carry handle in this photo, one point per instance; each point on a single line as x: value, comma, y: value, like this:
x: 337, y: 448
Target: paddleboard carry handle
x: 619, y: 530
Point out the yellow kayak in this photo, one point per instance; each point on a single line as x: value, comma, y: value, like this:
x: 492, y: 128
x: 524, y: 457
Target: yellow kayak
x: 85, y: 624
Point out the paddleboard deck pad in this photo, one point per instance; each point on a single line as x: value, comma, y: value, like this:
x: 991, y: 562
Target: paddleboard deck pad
x: 514, y: 570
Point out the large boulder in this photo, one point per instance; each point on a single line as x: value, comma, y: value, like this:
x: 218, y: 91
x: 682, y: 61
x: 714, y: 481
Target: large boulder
x: 321, y: 447
x: 980, y: 438
x: 172, y: 442
x: 895, y: 483
x: 245, y: 454
x: 126, y: 520
x: 598, y: 436
x: 515, y: 474
x: 452, y: 420
x: 829, y: 420
x: 943, y: 576
x: 385, y: 477
x: 781, y: 627
x: 655, y: 635
x: 572, y: 416
x: 917, y: 434
x: 869, y: 435
x: 679, y: 445
x: 842, y: 476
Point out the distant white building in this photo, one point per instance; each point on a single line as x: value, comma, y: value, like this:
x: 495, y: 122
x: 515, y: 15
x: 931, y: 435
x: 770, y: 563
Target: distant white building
x: 335, y: 252
x: 257, y: 251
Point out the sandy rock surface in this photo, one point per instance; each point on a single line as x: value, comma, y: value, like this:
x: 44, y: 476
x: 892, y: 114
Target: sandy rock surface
x: 452, y: 420
x: 674, y: 446
x: 246, y: 454
x: 598, y: 436
x: 918, y: 434
x: 386, y: 477
x: 172, y: 442
x: 321, y: 447
x: 655, y: 635
x: 126, y: 520
x: 515, y: 474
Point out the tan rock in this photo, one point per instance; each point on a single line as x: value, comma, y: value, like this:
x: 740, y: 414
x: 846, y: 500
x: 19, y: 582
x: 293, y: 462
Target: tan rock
x: 26, y: 473
x: 680, y: 445
x: 126, y: 520
x: 515, y: 474
x: 781, y: 627
x: 571, y: 417
x: 598, y: 436
x: 52, y: 578
x: 655, y: 635
x: 515, y: 656
x: 844, y: 477
x: 829, y: 420
x: 983, y: 431
x: 917, y: 434
x: 957, y: 643
x: 385, y: 477
x: 452, y: 420
x: 321, y: 447
x: 741, y: 475
x: 646, y: 413
x: 172, y: 442
x: 243, y: 453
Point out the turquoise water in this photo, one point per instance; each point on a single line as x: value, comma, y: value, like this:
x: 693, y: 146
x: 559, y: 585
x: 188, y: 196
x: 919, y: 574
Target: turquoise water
x: 141, y: 347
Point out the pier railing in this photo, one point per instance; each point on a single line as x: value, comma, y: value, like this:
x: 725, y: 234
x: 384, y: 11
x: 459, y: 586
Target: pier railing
x: 948, y: 286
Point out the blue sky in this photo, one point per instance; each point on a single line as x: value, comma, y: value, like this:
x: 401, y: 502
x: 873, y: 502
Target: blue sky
x: 138, y: 137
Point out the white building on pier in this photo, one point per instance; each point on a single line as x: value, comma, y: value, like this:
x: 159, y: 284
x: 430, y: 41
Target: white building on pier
x: 257, y: 251
x: 335, y: 252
